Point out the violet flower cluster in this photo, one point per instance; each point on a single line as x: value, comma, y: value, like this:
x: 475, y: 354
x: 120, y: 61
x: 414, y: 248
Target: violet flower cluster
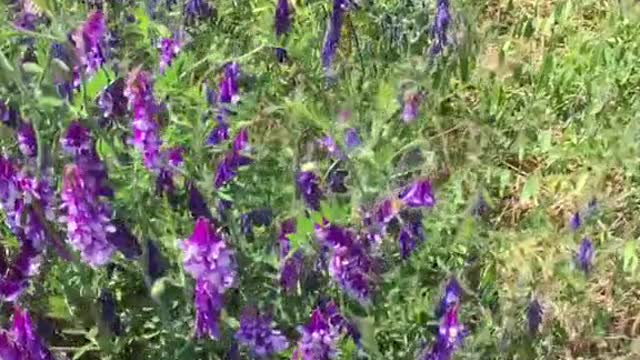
x: 22, y: 342
x: 208, y: 260
x: 26, y: 137
x: 86, y: 202
x: 291, y: 265
x: 257, y: 333
x: 27, y: 202
x: 146, y: 137
x: 233, y: 160
x: 406, y: 208
x: 65, y: 80
x: 321, y: 335
x: 450, y: 332
x: 309, y: 188
x: 585, y: 255
x: 411, y: 106
x: 169, y: 49
x: 89, y: 42
x: 146, y: 131
x: 228, y: 94
x: 87, y: 215
x: 196, y: 10
x: 440, y: 28
x: 282, y: 18
x: 534, y: 316
x: 112, y: 101
x: 351, y: 266
x: 332, y: 37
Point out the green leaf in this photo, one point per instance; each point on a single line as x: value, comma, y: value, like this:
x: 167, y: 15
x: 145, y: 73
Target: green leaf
x: 43, y: 5
x: 98, y: 82
x: 304, y: 225
x: 368, y: 338
x: 630, y: 257
x: 333, y: 212
x: 530, y: 189
x: 58, y: 308
x: 32, y: 68
x: 545, y: 140
x: 50, y: 101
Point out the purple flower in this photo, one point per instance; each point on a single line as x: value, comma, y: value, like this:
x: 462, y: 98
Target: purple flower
x: 14, y: 279
x: 227, y: 169
x: 212, y: 264
x: 222, y: 208
x: 337, y: 178
x: 175, y: 156
x: 290, y: 266
x: 146, y: 139
x: 451, y: 297
x: 208, y: 303
x: 77, y: 140
x: 112, y: 101
x: 412, y: 101
x: 281, y: 55
x: 258, y: 217
x: 534, y: 316
x: 9, y: 349
x: 450, y: 336
x: 89, y: 42
x: 282, y: 18
x: 26, y: 21
x: 156, y: 263
x: 331, y: 235
x: 319, y: 339
x: 197, y: 204
x: 63, y: 79
x: 440, y: 28
x: 584, y: 258
x: 351, y: 139
x: 309, y: 187
x: 410, y: 236
x: 22, y: 342
x: 386, y: 211
x: 169, y: 49
x: 165, y: 185
x: 419, y: 194
x: 331, y: 147
x: 233, y: 160
x: 18, y: 193
x: 9, y: 114
x: 27, y: 140
x: 575, y: 222
x: 210, y: 96
x: 241, y: 142
x: 257, y: 333
x: 291, y: 269
x: 228, y: 88
x: 218, y: 135
x: 124, y: 240
x: 88, y: 217
x: 332, y: 37
x: 207, y: 257
x: 195, y: 10
x: 108, y: 313
x: 351, y: 266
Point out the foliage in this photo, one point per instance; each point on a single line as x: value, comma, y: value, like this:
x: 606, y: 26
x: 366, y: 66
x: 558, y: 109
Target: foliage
x: 528, y: 115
